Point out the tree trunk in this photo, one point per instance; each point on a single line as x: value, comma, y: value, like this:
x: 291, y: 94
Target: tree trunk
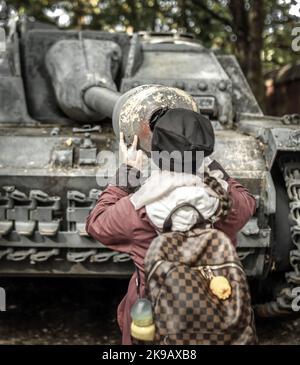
x: 256, y: 27
x: 134, y: 16
x: 154, y: 14
x: 240, y: 27
x: 248, y: 25
x: 182, y: 20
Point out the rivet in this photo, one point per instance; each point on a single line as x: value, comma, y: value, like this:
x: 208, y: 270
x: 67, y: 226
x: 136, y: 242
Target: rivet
x: 222, y: 86
x: 202, y: 85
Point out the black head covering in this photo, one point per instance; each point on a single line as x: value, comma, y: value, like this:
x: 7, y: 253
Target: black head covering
x: 177, y: 131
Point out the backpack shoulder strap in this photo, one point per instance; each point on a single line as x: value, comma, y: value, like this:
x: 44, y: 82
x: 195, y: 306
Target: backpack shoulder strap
x: 138, y: 282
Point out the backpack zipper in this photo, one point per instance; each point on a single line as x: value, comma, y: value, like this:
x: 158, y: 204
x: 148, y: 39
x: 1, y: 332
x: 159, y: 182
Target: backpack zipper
x: 154, y: 269
x: 204, y: 269
x: 221, y: 266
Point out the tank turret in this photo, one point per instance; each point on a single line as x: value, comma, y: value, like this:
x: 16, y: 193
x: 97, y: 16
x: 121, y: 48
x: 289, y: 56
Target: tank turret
x: 83, y: 73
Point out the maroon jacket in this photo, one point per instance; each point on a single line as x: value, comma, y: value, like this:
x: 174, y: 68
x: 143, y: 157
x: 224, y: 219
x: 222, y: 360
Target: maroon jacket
x: 115, y: 222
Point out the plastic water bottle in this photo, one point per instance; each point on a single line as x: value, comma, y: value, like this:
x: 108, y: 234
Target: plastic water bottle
x: 142, y: 325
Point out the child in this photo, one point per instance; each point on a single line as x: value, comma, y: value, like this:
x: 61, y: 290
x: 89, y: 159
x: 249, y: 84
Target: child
x: 127, y: 220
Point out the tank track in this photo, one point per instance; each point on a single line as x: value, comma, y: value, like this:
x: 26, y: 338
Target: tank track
x: 285, y: 302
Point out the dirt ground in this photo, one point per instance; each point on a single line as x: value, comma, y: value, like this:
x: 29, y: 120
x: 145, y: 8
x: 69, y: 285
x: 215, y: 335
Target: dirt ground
x: 83, y: 311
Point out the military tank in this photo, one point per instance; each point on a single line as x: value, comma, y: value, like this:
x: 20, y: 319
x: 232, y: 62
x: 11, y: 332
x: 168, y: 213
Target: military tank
x: 64, y: 97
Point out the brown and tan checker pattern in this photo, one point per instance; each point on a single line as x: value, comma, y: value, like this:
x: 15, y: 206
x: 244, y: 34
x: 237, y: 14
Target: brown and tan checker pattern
x: 185, y: 310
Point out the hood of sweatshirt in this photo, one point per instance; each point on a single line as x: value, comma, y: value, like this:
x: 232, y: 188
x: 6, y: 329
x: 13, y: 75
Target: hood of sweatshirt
x: 165, y: 190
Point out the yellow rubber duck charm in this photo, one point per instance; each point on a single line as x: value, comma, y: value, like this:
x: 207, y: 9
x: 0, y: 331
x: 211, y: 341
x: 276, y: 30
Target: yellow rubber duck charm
x: 220, y: 287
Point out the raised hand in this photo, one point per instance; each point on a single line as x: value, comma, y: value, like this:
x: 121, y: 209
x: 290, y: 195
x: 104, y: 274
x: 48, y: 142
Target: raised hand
x: 131, y: 156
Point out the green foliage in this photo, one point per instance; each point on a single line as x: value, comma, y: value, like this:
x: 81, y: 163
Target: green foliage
x: 257, y: 31
x: 277, y: 35
x: 211, y: 21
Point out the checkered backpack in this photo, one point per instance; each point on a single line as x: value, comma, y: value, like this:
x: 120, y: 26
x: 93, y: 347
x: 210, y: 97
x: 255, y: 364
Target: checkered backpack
x: 179, y: 268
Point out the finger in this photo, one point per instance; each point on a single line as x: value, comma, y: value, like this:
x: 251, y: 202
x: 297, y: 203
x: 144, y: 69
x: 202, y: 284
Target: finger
x: 139, y: 159
x: 122, y: 142
x: 135, y: 141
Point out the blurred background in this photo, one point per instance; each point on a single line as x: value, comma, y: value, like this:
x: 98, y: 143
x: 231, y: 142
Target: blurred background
x: 259, y: 33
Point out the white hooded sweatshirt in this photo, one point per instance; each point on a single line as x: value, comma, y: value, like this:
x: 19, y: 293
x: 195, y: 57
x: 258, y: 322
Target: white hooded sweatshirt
x: 164, y: 190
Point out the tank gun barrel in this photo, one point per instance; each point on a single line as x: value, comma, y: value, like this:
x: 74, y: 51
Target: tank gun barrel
x: 101, y: 100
